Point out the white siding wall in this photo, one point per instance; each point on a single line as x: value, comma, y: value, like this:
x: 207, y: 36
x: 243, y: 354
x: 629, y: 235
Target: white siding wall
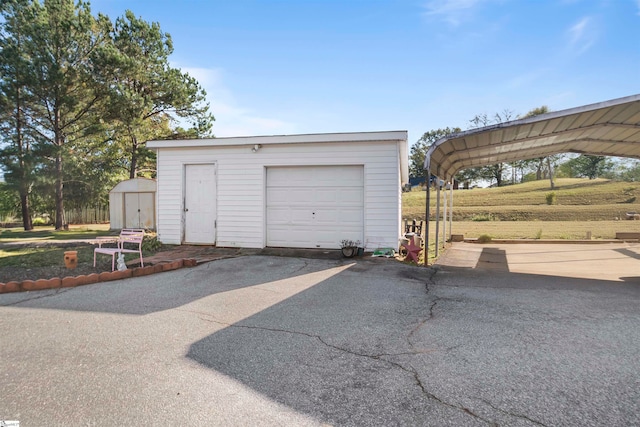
x: 241, y: 187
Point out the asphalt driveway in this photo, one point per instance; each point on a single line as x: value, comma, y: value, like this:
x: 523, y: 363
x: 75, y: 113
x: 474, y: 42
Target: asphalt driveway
x: 262, y: 340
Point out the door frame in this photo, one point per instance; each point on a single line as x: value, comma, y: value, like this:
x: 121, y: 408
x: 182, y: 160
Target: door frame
x: 183, y: 216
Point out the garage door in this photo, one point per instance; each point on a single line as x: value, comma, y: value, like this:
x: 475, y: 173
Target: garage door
x: 314, y: 206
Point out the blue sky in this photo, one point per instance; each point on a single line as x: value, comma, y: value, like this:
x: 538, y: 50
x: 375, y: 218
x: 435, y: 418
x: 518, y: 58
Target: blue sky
x: 285, y: 66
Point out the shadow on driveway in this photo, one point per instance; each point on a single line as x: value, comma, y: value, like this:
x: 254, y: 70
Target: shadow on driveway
x: 164, y: 291
x: 365, y: 347
x: 333, y: 350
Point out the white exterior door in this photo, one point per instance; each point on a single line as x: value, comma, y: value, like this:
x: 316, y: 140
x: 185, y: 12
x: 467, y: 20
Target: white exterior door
x: 139, y: 210
x: 131, y: 210
x: 146, y: 208
x: 200, y: 204
x: 314, y: 206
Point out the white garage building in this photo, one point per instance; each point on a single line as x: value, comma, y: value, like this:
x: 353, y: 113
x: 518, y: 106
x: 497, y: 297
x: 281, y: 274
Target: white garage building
x: 300, y: 191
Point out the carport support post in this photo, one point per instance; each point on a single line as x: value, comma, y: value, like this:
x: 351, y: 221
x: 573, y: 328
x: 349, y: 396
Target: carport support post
x: 437, y: 214
x: 450, y: 210
x: 426, y: 231
x: 444, y: 217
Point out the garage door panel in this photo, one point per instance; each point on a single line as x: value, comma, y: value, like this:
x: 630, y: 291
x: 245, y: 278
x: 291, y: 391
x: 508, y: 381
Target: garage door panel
x: 314, y: 206
x: 296, y: 238
x: 300, y: 217
x: 349, y: 175
x: 339, y: 217
x: 279, y: 216
x: 350, y: 196
x: 343, y: 196
x: 285, y: 196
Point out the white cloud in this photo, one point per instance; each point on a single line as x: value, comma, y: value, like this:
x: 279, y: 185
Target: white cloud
x: 525, y: 80
x: 451, y: 11
x: 232, y: 119
x: 582, y: 35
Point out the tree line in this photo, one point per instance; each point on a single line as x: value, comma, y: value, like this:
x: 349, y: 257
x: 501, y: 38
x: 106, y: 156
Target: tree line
x: 80, y: 95
x: 501, y: 174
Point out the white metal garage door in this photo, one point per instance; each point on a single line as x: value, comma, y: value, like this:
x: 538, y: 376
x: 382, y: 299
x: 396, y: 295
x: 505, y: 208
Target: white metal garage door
x: 314, y: 206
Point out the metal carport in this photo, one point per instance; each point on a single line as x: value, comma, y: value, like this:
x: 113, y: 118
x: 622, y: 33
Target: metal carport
x: 609, y: 128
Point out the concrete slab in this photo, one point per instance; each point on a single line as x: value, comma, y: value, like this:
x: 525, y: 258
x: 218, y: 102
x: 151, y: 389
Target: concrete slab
x: 608, y: 261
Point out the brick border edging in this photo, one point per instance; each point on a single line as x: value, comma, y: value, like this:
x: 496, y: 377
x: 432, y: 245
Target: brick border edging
x: 88, y: 279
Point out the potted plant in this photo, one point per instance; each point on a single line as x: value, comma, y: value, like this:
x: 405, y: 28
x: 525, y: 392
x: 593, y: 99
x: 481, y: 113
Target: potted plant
x: 349, y: 247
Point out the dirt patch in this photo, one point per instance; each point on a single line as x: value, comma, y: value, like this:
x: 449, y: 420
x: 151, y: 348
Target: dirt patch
x: 18, y: 274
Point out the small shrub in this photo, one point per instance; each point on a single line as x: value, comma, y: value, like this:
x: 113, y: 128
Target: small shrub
x: 482, y: 217
x: 551, y: 198
x: 151, y: 244
x: 39, y: 221
x: 485, y: 238
x: 539, y: 235
x: 9, y: 217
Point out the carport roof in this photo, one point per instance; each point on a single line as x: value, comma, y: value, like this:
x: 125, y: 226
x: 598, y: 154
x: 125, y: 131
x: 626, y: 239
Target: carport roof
x: 609, y: 128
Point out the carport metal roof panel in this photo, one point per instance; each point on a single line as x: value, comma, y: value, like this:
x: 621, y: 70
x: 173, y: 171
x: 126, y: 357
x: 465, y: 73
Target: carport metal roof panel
x: 609, y: 128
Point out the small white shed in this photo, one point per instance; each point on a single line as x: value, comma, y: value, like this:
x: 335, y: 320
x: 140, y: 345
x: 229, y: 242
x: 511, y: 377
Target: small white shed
x: 132, y: 204
x: 301, y: 191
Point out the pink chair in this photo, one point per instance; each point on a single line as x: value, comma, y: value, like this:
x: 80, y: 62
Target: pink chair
x: 129, y: 241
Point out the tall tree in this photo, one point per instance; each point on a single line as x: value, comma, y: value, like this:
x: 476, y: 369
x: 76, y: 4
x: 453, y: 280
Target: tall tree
x: 420, y: 148
x: 64, y: 40
x: 589, y: 166
x: 493, y: 172
x: 496, y: 171
x: 147, y: 94
x: 550, y: 161
x: 16, y: 154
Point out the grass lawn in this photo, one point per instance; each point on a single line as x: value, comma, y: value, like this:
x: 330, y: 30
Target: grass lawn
x: 42, y: 257
x: 570, y: 230
x: 49, y: 233
x: 52, y: 255
x: 521, y: 211
x: 575, y: 200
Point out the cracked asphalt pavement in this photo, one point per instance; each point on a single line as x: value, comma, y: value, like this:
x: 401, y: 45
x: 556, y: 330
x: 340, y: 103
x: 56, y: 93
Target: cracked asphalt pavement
x: 262, y: 340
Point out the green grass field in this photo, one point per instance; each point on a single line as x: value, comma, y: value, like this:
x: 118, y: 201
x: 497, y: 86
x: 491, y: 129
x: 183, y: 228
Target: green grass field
x: 75, y: 232
x: 521, y: 211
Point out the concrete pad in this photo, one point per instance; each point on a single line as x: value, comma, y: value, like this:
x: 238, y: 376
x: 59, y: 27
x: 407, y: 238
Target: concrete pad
x: 608, y: 261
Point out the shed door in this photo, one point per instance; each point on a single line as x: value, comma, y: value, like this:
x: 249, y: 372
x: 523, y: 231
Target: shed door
x: 200, y: 204
x: 314, y: 206
x: 139, y: 210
